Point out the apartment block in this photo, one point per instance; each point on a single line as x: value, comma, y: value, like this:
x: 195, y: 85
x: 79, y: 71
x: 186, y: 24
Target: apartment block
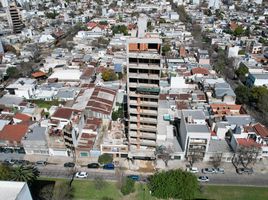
x: 143, y: 77
x: 194, y: 134
x: 14, y: 18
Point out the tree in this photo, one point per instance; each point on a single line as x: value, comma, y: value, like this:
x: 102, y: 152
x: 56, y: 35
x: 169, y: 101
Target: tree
x: 120, y: 177
x: 257, y: 92
x: 175, y: 184
x: 241, y: 72
x: 216, y: 161
x: 242, y: 94
x: 120, y: 29
x: 246, y: 155
x: 164, y: 153
x: 105, y: 158
x: 5, y: 172
x: 13, y: 72
x: 165, y: 49
x: 109, y: 75
x: 99, y: 182
x: 118, y: 113
x: 128, y: 186
x: 238, y: 31
x: 52, y: 15
x: 65, y: 192
x: 24, y: 173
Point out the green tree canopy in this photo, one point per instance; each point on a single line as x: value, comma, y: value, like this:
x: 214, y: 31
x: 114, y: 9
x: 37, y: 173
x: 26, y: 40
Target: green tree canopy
x: 238, y: 31
x: 241, y: 72
x: 24, y: 173
x: 13, y: 72
x: 165, y: 49
x: 105, y: 158
x: 5, y: 172
x: 242, y: 94
x: 120, y: 29
x: 109, y: 75
x: 175, y: 184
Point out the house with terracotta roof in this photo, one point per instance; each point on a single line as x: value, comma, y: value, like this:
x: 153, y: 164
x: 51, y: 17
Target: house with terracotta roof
x: 63, y: 130
x: 101, y: 103
x: 19, y: 118
x: 12, y: 135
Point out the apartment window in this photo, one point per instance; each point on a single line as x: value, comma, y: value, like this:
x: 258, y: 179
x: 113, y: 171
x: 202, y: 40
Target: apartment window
x: 177, y: 157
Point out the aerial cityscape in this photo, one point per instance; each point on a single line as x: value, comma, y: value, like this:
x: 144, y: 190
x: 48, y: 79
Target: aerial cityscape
x: 133, y: 99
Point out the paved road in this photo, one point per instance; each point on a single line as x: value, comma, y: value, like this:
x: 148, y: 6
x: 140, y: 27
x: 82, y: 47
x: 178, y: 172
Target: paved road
x: 229, y: 178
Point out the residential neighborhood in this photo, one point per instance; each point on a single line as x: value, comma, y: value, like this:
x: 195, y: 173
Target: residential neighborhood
x: 133, y: 96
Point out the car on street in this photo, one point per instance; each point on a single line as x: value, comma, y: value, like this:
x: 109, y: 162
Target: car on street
x: 93, y: 165
x: 41, y: 163
x: 81, y: 175
x: 134, y: 177
x: 69, y: 164
x: 244, y: 170
x: 203, y: 179
x: 193, y: 170
x: 219, y: 171
x: 10, y: 161
x: 109, y: 166
x: 208, y: 171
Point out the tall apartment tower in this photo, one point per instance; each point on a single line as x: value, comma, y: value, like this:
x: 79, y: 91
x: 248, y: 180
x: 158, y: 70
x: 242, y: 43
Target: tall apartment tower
x: 14, y: 18
x: 143, y: 79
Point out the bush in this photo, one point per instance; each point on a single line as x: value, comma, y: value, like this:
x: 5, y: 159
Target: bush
x: 105, y: 158
x: 128, y: 186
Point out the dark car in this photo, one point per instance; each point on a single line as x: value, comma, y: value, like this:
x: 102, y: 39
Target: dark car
x: 23, y: 162
x: 41, y: 162
x: 109, y: 166
x: 69, y: 164
x: 93, y: 165
x: 134, y: 177
x: 7, y: 150
x: 244, y: 170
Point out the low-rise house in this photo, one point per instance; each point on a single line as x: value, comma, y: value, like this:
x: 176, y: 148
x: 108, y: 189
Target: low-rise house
x: 23, y: 87
x: 12, y: 135
x: 101, y: 103
x: 35, y: 142
x: 257, y: 79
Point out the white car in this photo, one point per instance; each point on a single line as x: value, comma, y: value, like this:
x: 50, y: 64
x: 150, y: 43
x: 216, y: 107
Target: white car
x: 193, y: 170
x: 203, y: 179
x: 81, y: 175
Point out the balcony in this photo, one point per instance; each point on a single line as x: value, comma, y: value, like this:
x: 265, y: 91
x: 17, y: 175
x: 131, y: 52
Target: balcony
x: 143, y: 119
x: 150, y: 54
x: 143, y: 66
x: 142, y: 135
x: 142, y: 142
x: 143, y: 85
x: 144, y: 103
x: 143, y: 127
x: 143, y: 75
x: 143, y: 111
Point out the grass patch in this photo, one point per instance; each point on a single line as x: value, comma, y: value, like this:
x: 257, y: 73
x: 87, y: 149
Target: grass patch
x: 46, y: 104
x: 85, y: 190
x: 234, y: 192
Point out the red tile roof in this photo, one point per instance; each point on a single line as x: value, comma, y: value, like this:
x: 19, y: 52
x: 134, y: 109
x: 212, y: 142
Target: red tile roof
x: 22, y: 117
x: 261, y: 130
x: 13, y: 132
x: 247, y: 142
x: 38, y: 74
x: 200, y: 70
x: 64, y: 113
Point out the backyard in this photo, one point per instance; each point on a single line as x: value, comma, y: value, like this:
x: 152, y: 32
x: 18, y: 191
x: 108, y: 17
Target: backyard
x: 85, y: 190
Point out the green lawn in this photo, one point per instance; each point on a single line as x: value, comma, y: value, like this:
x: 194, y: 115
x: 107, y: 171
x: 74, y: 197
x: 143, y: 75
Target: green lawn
x: 234, y: 193
x: 85, y: 190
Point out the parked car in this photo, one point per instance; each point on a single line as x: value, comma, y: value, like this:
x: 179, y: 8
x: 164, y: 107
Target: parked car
x: 203, y: 179
x: 41, y: 162
x: 8, y: 150
x: 10, y: 161
x: 134, y: 177
x: 93, y: 165
x: 192, y: 170
x: 109, y: 166
x: 81, y: 175
x: 220, y: 171
x: 208, y: 171
x: 244, y: 170
x: 69, y: 164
